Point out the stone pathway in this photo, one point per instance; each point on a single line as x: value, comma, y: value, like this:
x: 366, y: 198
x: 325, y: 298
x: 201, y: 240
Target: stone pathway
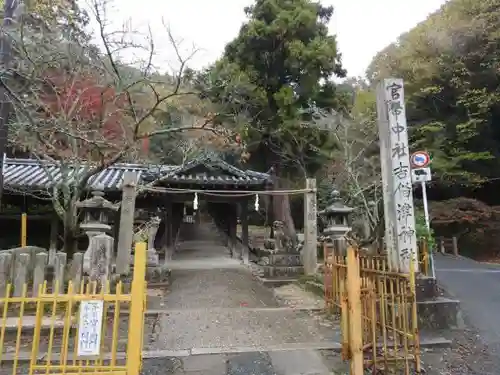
x: 296, y: 362
x: 217, y: 319
x: 231, y: 329
x: 226, y: 309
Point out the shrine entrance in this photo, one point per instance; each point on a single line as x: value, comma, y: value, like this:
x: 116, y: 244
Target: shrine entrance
x: 202, y: 203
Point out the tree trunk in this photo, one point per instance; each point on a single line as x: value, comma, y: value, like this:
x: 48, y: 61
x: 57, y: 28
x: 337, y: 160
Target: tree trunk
x: 70, y: 238
x: 282, y: 210
x: 71, y: 229
x: 9, y: 17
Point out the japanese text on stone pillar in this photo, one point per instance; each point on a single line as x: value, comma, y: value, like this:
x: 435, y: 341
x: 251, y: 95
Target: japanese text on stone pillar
x: 401, y: 173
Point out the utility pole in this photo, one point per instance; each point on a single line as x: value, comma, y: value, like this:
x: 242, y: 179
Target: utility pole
x: 9, y: 10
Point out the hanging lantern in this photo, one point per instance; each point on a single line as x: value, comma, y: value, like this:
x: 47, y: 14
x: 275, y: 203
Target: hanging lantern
x: 256, y: 205
x: 195, y: 201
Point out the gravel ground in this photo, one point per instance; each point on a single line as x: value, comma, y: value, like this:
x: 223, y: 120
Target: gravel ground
x: 193, y: 289
x: 293, y: 295
x: 468, y: 355
x: 240, y: 328
x: 228, y: 308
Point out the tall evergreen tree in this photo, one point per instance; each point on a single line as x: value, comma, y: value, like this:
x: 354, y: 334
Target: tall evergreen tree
x: 277, y: 71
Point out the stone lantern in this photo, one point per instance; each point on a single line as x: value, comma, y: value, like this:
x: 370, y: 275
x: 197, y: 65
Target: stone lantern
x: 336, y: 215
x: 96, y: 220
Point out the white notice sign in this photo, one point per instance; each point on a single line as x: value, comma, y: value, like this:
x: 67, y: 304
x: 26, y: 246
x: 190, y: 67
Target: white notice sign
x: 90, y: 328
x: 421, y: 175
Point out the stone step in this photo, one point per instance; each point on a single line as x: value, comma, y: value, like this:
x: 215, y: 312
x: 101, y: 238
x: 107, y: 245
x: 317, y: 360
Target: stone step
x: 275, y: 282
x: 282, y: 271
x: 434, y: 313
x: 439, y: 313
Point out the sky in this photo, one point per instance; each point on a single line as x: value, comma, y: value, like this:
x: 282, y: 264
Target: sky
x: 363, y: 27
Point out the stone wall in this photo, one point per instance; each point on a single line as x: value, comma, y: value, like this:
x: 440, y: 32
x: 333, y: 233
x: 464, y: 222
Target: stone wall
x: 25, y: 269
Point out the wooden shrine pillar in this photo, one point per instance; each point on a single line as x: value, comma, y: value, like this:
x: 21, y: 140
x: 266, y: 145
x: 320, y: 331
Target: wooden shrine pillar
x: 167, y: 240
x: 177, y: 215
x: 232, y: 227
x: 244, y: 231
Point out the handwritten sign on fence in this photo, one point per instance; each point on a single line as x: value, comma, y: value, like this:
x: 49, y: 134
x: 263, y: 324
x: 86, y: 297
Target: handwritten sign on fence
x: 90, y: 328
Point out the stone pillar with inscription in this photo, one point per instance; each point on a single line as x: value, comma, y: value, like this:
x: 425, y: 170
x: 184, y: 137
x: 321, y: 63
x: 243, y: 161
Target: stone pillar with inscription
x: 126, y: 232
x: 100, y: 262
x: 396, y: 175
x: 152, y: 254
x: 309, y: 251
x: 386, y: 170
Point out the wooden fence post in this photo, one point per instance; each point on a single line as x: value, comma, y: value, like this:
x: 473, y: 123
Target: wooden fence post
x: 24, y: 229
x: 354, y: 308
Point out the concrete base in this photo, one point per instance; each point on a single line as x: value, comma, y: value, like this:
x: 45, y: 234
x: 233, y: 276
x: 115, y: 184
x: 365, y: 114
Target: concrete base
x: 153, y: 258
x: 277, y: 268
x: 434, y: 310
x: 285, y: 259
x: 439, y: 313
x: 158, y: 274
x: 282, y: 271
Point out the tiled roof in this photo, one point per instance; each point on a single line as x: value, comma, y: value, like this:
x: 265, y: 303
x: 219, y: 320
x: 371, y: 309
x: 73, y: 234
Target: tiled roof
x: 210, y: 170
x: 30, y: 174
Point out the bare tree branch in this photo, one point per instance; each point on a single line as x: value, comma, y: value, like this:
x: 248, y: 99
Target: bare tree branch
x: 84, y: 109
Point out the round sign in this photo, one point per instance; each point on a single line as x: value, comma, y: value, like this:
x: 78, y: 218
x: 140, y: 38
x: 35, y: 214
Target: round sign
x: 420, y: 159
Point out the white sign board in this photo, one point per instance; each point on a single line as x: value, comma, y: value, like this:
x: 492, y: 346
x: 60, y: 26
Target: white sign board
x: 421, y: 175
x: 90, y: 328
x: 399, y: 174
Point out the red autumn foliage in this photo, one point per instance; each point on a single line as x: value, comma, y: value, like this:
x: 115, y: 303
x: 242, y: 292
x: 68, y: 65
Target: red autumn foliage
x: 84, y: 101
x: 476, y: 225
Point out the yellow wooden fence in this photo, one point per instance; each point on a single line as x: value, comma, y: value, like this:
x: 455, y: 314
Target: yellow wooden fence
x: 85, y: 329
x: 377, y: 310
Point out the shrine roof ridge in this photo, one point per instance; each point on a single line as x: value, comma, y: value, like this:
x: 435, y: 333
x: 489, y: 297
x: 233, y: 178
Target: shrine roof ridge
x: 33, y: 174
